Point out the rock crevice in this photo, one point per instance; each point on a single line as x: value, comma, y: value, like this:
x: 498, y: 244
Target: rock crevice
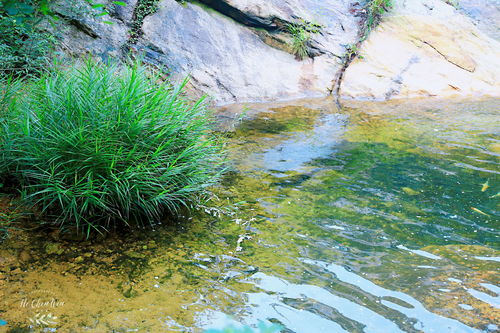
x: 464, y: 61
x: 271, y: 23
x: 78, y: 24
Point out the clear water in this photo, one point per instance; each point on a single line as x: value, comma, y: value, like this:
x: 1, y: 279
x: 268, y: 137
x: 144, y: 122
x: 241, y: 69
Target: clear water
x: 383, y: 217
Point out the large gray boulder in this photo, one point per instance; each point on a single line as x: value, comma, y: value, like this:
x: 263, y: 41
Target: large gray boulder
x: 232, y: 62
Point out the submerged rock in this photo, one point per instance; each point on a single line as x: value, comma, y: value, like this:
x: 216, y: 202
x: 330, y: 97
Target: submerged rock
x: 53, y: 248
x: 424, y: 48
x: 24, y: 256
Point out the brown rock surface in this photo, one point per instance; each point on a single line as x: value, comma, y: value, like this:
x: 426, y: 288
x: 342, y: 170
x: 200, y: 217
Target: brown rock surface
x: 424, y: 48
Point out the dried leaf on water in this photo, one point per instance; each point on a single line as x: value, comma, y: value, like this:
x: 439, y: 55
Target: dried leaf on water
x: 410, y: 191
x: 479, y: 211
x: 486, y: 185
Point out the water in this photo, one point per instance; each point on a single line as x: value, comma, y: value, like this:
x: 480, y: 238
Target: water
x: 383, y: 217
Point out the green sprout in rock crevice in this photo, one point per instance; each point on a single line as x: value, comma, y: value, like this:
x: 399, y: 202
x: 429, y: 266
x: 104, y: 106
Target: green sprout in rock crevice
x: 301, y: 33
x: 454, y: 3
x: 374, y: 11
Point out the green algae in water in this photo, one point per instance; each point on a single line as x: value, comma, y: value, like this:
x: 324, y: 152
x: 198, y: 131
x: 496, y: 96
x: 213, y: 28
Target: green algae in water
x: 382, y: 200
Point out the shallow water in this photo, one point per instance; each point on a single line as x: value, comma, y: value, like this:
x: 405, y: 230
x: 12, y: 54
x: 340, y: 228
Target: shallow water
x: 383, y: 217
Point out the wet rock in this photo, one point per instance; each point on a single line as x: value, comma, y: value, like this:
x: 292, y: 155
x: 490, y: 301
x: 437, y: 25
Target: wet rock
x: 20, y: 330
x: 15, y: 270
x: 130, y: 292
x: 410, y: 191
x: 230, y: 275
x: 24, y: 256
x: 53, y: 248
x: 135, y: 255
x: 203, y: 257
x: 251, y: 270
x: 71, y: 234
x: 424, y: 48
x: 78, y: 260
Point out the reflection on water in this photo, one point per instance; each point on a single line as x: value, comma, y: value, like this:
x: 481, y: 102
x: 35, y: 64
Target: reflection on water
x: 364, y: 207
x: 297, y: 149
x: 374, y: 219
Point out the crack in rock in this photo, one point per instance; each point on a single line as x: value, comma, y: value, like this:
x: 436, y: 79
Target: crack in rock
x: 464, y: 63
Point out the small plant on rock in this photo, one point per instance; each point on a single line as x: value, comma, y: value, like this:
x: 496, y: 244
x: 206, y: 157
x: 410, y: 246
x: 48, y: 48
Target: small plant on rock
x: 301, y: 37
x: 143, y: 9
x: 374, y: 11
x: 454, y: 3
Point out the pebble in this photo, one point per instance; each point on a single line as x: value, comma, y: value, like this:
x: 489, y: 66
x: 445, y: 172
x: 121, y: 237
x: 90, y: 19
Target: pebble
x: 24, y: 256
x: 53, y: 248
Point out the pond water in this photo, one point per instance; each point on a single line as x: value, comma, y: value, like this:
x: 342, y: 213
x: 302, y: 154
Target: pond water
x: 381, y: 217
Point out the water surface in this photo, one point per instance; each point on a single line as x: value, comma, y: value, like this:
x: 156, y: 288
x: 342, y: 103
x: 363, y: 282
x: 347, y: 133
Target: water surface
x: 381, y: 217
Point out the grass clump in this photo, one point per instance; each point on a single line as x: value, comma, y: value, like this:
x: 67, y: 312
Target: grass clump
x: 5, y: 225
x: 10, y: 215
x: 97, y: 146
x: 300, y: 41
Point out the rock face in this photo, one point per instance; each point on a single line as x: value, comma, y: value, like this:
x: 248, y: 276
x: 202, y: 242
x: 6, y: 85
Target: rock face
x: 485, y: 14
x: 84, y: 33
x: 235, y: 62
x: 240, y: 50
x: 233, y: 50
x: 425, y: 48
